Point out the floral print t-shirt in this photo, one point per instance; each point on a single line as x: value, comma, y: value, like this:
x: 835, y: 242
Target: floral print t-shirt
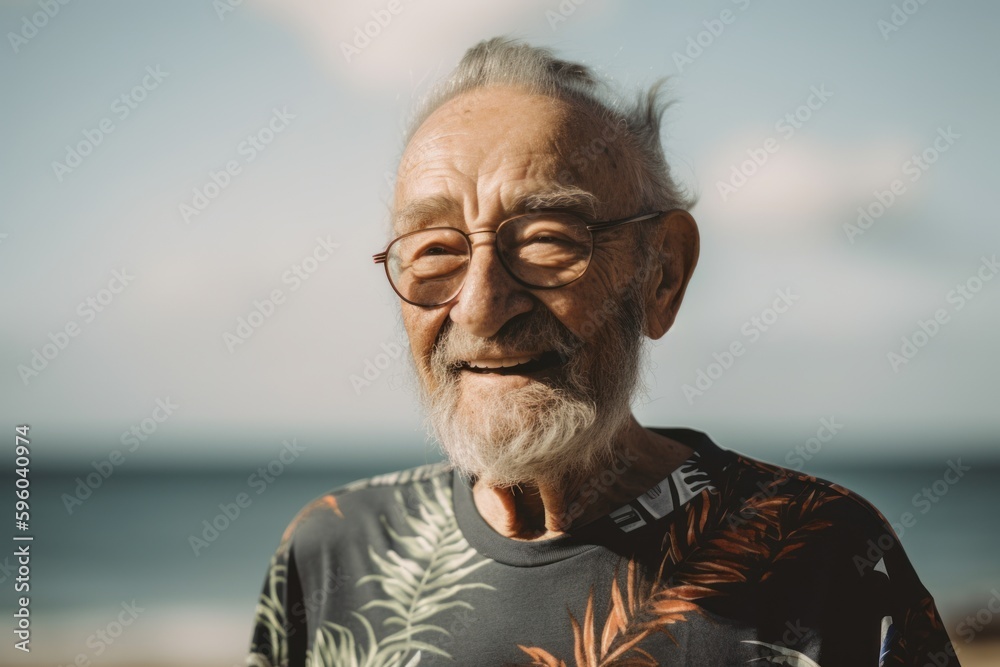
x: 727, y: 561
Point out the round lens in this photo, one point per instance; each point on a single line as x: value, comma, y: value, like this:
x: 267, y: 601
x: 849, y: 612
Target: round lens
x: 427, y: 267
x: 545, y: 249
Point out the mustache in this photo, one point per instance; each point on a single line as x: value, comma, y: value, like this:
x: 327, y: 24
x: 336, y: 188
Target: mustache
x: 527, y: 333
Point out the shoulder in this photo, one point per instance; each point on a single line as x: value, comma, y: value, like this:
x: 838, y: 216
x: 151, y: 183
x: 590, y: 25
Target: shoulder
x: 398, y: 479
x: 786, y: 514
x: 744, y: 484
x: 356, y: 507
x: 754, y: 485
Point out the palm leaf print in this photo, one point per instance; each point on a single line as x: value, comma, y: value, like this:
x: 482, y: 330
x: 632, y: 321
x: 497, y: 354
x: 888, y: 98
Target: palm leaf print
x: 703, y: 557
x: 335, y: 646
x: 643, y: 609
x: 719, y: 551
x: 270, y: 614
x: 783, y: 656
x: 419, y: 581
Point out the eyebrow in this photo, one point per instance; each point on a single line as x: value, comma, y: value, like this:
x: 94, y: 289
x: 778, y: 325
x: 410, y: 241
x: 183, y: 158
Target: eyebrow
x: 560, y: 197
x: 423, y: 212
x: 427, y: 211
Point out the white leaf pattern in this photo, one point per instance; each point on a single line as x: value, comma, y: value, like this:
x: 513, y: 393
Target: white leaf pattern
x: 418, y: 579
x: 783, y: 656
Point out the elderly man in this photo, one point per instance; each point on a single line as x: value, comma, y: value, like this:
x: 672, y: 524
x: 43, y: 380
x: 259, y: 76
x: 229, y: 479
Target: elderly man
x: 538, y: 237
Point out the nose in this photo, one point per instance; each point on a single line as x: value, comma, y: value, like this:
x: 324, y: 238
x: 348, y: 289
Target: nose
x: 490, y: 296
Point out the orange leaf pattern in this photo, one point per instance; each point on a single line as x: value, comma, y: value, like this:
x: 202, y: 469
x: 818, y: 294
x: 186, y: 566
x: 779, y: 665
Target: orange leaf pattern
x: 727, y: 561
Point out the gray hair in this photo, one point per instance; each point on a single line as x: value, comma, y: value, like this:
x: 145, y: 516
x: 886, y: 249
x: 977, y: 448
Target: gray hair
x: 504, y: 61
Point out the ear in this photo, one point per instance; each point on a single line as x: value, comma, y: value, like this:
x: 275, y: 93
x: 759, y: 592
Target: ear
x: 677, y: 241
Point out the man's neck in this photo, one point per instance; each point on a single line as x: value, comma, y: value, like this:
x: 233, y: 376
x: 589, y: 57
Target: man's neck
x: 545, y: 511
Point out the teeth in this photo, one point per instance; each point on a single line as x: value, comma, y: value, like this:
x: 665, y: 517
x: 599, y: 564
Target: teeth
x: 506, y: 362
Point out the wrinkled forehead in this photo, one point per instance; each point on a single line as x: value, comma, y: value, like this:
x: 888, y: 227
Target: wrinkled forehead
x: 502, y: 141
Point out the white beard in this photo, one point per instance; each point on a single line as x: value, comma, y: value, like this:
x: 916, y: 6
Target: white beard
x: 546, y: 432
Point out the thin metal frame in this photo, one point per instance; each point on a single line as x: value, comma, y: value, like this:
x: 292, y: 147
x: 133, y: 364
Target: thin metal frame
x: 382, y: 257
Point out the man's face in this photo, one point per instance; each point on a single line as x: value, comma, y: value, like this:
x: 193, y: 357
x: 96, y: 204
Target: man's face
x: 471, y: 165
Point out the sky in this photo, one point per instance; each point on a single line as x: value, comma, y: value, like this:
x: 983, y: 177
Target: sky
x: 172, y: 169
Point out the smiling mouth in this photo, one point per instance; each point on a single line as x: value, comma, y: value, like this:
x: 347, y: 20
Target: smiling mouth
x: 515, y: 365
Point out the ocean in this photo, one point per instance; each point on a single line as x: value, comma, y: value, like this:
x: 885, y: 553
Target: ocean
x: 127, y: 553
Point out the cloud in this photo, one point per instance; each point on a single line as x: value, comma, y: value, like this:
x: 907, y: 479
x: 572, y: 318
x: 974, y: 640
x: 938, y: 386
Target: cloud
x: 803, y: 186
x: 368, y: 46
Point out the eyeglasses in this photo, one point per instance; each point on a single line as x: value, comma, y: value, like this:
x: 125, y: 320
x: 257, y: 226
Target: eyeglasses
x: 542, y: 250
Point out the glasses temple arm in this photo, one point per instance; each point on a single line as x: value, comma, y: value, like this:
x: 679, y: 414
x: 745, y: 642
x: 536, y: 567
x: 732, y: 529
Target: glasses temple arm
x: 597, y: 226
